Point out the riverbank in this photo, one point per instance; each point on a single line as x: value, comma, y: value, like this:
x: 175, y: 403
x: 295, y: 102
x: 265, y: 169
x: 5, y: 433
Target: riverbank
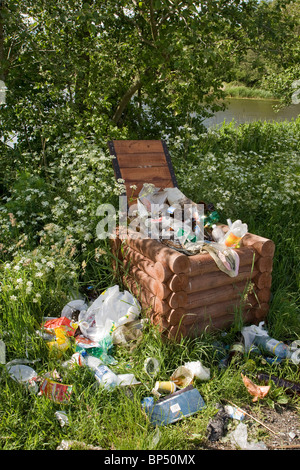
x: 233, y: 90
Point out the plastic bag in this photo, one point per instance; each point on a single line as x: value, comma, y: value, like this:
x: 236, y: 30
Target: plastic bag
x: 199, y: 371
x: 101, y: 350
x: 72, y: 307
x: 23, y: 374
x: 126, y: 334
x: 250, y: 332
x: 111, y: 309
x: 225, y: 258
x: 239, y: 437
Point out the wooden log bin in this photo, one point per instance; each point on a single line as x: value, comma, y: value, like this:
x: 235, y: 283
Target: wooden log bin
x: 184, y: 295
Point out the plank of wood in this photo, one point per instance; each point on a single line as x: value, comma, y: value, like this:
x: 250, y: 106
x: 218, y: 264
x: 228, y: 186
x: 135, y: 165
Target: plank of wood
x: 138, y: 146
x: 141, y: 160
x: 146, y: 175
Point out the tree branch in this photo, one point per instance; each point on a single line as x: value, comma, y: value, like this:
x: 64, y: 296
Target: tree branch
x: 137, y: 84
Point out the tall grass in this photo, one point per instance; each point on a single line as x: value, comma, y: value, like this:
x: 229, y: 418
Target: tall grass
x: 241, y: 91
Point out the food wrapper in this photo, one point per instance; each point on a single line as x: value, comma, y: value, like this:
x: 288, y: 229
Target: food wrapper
x: 56, y: 391
x: 255, y: 390
x: 61, y: 342
x: 64, y: 323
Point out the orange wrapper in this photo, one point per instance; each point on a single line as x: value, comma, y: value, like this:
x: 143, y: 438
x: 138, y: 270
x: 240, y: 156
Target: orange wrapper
x: 255, y: 390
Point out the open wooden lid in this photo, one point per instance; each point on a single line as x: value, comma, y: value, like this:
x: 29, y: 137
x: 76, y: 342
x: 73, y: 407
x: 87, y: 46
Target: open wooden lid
x: 142, y: 161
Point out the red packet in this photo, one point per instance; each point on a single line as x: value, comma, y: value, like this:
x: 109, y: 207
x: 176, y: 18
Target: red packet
x: 56, y: 391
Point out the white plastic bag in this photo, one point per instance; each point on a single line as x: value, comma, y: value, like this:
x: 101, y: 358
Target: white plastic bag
x: 198, y: 369
x: 73, y: 306
x: 250, y: 332
x: 239, y: 438
x: 111, y: 309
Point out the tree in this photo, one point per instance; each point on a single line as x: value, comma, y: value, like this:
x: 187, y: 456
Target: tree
x: 119, y: 67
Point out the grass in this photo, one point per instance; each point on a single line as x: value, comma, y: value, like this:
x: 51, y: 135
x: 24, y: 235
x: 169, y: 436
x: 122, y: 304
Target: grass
x: 250, y: 172
x: 242, y: 91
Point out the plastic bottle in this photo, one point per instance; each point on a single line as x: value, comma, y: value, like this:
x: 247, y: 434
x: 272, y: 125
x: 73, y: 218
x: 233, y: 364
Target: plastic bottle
x: 106, y: 377
x: 236, y: 232
x: 273, y: 346
x: 258, y: 336
x: 217, y: 233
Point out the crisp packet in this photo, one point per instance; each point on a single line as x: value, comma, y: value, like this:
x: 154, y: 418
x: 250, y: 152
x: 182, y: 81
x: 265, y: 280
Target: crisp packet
x: 56, y: 391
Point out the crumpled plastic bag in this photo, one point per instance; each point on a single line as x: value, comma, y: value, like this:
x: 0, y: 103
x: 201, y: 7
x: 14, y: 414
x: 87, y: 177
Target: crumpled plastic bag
x: 239, y: 437
x: 111, y: 309
x: 225, y: 258
x: 256, y: 390
x: 250, y: 332
x: 127, y: 334
x: 72, y: 307
x: 198, y: 369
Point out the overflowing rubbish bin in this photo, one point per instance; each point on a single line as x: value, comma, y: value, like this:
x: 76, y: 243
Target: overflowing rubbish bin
x: 185, y: 291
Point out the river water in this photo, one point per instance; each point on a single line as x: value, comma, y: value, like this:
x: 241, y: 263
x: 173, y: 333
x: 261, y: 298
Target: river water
x: 246, y: 110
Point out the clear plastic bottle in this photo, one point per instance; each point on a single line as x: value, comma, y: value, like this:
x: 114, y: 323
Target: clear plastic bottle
x: 273, y: 346
x: 106, y: 377
x: 235, y: 233
x: 217, y: 233
x: 259, y: 336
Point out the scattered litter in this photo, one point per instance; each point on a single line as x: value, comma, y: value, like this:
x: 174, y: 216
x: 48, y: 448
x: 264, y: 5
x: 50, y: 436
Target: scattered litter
x: 127, y: 380
x: 217, y: 426
x: 62, y: 418
x: 56, y: 391
x: 165, y: 387
x: 111, y: 309
x: 258, y: 336
x: 255, y: 390
x: 239, y: 438
x: 75, y: 359
x: 234, y: 412
x: 102, y: 349
x: 126, y: 334
x: 151, y: 366
x: 106, y: 377
x: 182, y: 377
x: 23, y: 374
x: 174, y: 407
x: 198, y: 370
x: 147, y: 403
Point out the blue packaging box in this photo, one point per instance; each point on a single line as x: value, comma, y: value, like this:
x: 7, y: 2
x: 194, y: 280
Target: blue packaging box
x: 176, y: 406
